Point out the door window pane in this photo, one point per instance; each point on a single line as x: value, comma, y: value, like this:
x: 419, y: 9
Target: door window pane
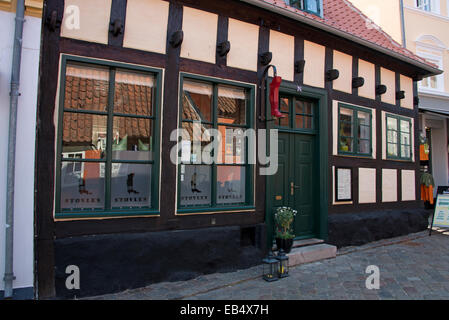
x: 82, y: 185
x: 85, y: 134
x: 230, y: 185
x: 134, y: 92
x: 284, y: 105
x: 86, y: 87
x: 195, y: 186
x: 131, y: 185
x: 284, y: 122
x: 197, y: 101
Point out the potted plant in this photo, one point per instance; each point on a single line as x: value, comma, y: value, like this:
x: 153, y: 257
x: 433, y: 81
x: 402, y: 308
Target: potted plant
x: 284, y: 218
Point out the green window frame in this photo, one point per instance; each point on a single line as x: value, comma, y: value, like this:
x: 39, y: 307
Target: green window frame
x: 121, y: 197
x: 300, y: 114
x: 355, y: 139
x: 399, y: 137
x: 213, y: 123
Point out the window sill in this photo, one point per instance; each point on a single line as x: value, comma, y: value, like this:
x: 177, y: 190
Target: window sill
x: 429, y: 13
x: 198, y: 211
x: 350, y: 155
x: 79, y: 215
x: 399, y: 160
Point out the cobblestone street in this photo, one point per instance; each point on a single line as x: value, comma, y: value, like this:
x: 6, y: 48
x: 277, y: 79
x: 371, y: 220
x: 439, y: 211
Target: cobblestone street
x: 411, y: 267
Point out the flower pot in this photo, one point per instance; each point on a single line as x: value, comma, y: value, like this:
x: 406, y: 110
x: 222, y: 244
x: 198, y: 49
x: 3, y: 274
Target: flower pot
x: 284, y: 244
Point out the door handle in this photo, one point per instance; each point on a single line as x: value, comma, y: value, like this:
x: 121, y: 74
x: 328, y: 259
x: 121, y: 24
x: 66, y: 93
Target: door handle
x: 292, y: 188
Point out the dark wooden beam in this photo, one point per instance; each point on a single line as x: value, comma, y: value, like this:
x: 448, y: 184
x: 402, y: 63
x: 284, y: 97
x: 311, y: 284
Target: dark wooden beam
x: 117, y: 20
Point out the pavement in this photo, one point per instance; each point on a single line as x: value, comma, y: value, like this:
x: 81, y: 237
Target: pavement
x: 413, y: 267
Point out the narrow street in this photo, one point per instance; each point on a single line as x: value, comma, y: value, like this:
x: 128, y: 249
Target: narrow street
x: 411, y: 267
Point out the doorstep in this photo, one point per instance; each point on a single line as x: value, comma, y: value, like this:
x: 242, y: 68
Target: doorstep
x: 311, y: 253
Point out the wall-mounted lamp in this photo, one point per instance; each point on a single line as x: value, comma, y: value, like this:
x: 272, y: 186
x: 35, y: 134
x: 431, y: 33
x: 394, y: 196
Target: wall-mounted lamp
x: 332, y: 74
x: 223, y: 48
x: 358, y: 82
x: 381, y: 89
x: 177, y: 38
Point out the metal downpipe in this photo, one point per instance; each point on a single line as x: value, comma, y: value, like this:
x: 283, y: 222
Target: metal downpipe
x: 404, y: 40
x: 14, y: 97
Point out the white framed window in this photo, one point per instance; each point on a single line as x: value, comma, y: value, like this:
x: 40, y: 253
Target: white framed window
x: 428, y: 5
x: 434, y: 83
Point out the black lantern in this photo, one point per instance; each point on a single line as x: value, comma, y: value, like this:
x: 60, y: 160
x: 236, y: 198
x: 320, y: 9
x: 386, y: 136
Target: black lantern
x: 270, y: 268
x: 283, y: 264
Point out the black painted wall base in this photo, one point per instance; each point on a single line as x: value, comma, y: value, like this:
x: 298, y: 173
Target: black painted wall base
x: 117, y: 262
x: 355, y: 229
x: 20, y: 294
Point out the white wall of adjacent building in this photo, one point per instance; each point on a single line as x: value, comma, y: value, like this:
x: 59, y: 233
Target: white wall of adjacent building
x: 26, y: 131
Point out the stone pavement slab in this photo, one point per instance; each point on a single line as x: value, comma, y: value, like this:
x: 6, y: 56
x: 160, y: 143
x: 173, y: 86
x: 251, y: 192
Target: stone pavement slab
x: 411, y: 267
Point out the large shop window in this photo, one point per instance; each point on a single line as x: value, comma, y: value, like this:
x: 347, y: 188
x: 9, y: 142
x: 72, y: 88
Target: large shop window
x: 354, y: 131
x: 399, y: 135
x: 107, y: 140
x: 214, y: 172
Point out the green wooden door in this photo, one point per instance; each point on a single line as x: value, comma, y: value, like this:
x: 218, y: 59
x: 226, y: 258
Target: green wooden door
x: 295, y: 184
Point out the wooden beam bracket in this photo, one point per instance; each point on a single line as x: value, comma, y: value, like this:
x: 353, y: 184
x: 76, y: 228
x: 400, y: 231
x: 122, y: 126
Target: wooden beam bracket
x: 223, y: 48
x: 177, y: 38
x: 52, y: 21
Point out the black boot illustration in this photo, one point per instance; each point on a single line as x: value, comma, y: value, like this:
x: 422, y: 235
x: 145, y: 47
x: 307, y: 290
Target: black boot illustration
x: 193, y: 184
x: 130, y: 184
x: 82, y: 187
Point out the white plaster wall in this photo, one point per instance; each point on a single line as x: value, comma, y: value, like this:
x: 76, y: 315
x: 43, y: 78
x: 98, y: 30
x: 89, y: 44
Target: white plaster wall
x: 146, y: 25
x: 408, y: 185
x: 283, y: 48
x: 367, y: 185
x: 314, y: 54
x: 94, y: 18
x: 26, y: 128
x: 368, y: 72
x: 244, y: 38
x: 389, y: 185
x: 407, y: 87
x: 343, y: 63
x: 200, y: 35
x: 388, y: 78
